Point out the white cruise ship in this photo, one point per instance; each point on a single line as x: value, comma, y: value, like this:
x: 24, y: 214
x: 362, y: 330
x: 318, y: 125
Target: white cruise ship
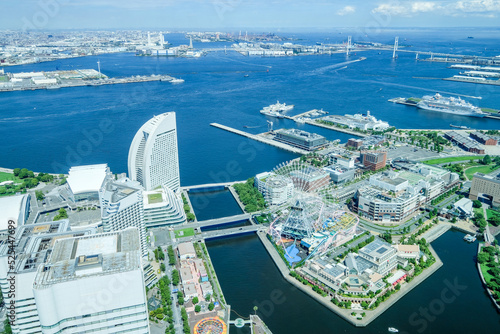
x: 276, y: 110
x: 451, y: 105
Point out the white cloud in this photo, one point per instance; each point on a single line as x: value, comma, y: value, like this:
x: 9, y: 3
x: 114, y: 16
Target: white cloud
x: 487, y: 8
x: 391, y: 9
x: 478, y: 6
x: 346, y: 10
x: 424, y: 7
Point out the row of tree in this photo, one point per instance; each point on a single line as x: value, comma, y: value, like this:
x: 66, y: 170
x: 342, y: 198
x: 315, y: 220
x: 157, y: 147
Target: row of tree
x: 250, y: 196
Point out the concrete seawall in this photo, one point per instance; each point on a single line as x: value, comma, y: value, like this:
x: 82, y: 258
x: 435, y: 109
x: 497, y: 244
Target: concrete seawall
x: 479, y: 247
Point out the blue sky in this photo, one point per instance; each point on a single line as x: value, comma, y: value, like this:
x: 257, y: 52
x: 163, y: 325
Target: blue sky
x: 221, y: 14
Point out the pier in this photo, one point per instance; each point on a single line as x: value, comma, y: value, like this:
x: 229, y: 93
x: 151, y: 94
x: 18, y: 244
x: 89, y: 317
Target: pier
x: 262, y: 139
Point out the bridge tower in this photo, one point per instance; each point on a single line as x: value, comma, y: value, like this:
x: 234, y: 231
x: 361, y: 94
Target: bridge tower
x: 394, y: 56
x: 348, y: 46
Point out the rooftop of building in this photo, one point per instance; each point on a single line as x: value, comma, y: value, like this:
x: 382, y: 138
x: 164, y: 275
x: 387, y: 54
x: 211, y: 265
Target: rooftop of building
x: 296, y: 133
x: 85, y: 179
x: 408, y: 248
x: 377, y: 249
x: 492, y: 178
x: 114, y: 191
x: 186, y: 248
x: 10, y: 208
x: 91, y: 255
x: 34, y: 243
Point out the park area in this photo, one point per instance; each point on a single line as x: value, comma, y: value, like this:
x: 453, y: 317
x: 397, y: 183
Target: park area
x: 186, y: 232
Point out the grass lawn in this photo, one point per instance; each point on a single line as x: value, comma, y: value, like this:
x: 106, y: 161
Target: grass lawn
x: 154, y: 198
x: 492, y: 213
x: 484, y: 269
x: 186, y: 232
x: 451, y: 159
x: 477, y: 210
x: 489, y: 110
x: 8, y: 176
x: 469, y: 172
x: 4, y: 78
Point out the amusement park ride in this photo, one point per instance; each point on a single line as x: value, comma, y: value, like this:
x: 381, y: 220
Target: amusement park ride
x: 310, y: 215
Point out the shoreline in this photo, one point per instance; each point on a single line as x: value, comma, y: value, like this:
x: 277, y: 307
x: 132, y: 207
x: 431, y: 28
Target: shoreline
x: 371, y: 315
x: 483, y: 281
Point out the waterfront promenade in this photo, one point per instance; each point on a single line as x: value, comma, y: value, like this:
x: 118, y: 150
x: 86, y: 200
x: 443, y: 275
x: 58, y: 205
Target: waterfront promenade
x: 346, y: 313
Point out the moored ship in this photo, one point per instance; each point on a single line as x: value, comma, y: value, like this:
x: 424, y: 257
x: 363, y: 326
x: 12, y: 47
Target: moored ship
x: 276, y: 110
x: 451, y: 105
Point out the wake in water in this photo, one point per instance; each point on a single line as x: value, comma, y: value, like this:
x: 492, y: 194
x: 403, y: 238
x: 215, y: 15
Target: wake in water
x: 413, y: 87
x: 324, y: 69
x: 242, y: 62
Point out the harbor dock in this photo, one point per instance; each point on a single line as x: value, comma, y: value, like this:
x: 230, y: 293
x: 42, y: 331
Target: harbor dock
x: 262, y: 138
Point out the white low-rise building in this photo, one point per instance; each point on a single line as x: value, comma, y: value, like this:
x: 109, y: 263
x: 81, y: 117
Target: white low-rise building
x: 14, y: 211
x: 84, y: 182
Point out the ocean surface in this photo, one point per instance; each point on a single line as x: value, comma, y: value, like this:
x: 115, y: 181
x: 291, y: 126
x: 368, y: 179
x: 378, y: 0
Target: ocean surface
x: 53, y: 130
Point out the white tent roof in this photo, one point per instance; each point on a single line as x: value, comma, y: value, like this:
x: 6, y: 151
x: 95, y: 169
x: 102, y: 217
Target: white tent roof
x: 84, y: 179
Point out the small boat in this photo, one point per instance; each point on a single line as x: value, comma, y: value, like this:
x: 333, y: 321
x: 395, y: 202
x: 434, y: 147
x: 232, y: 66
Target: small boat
x: 393, y: 330
x: 246, y: 75
x: 177, y: 81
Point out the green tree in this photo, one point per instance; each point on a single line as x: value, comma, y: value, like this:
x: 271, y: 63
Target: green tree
x: 195, y: 300
x: 197, y: 308
x: 175, y: 277
x: 162, y: 267
x: 487, y: 160
x: 17, y: 171
x: 190, y: 216
x: 476, y: 203
x: 211, y: 306
x: 39, y: 195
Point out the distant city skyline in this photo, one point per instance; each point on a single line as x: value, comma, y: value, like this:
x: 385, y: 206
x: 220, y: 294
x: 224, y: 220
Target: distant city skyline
x: 255, y: 14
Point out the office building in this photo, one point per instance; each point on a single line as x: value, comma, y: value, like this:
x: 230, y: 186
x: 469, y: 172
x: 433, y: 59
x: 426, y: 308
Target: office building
x: 153, y: 157
x: 122, y: 206
x: 93, y: 284
x: 486, y: 185
x: 374, y: 160
x: 32, y: 248
x: 301, y: 139
x: 380, y: 255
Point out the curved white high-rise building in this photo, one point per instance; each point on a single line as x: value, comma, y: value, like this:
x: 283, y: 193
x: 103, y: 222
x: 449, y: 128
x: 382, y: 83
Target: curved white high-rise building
x: 153, y: 158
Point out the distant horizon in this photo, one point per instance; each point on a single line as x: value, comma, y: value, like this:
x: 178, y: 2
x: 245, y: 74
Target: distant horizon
x: 256, y: 14
x: 253, y: 29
